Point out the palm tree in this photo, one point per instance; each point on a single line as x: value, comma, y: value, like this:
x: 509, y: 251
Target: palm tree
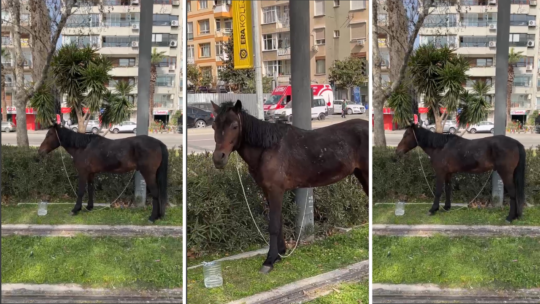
x: 5, y: 54
x: 117, y: 106
x: 474, y: 106
x: 154, y: 61
x: 81, y: 74
x: 513, y: 58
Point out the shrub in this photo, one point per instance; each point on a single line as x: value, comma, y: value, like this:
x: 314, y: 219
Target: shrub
x: 26, y: 178
x: 218, y: 218
x: 402, y: 178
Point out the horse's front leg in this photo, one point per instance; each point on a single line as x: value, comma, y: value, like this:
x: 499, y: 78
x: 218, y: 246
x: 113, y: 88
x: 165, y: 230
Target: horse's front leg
x: 80, y: 193
x: 275, y: 197
x: 90, y: 205
x: 448, y: 191
x: 438, y: 193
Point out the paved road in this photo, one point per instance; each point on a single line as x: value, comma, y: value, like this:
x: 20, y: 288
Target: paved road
x: 201, y: 140
x: 36, y: 137
x: 528, y: 140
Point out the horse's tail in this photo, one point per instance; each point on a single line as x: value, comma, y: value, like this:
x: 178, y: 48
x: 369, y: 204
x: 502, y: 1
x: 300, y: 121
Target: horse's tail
x: 161, y: 179
x: 519, y: 180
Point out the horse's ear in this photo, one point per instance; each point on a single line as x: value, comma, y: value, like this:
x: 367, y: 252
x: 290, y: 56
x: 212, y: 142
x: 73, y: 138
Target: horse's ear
x: 215, y: 106
x: 238, y: 106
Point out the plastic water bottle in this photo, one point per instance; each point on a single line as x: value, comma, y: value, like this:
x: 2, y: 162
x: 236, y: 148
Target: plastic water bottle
x: 42, y: 208
x: 400, y: 208
x: 212, y: 274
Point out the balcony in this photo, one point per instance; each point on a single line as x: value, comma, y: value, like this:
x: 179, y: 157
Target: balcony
x: 283, y: 23
x: 284, y: 51
x: 191, y: 61
x: 222, y: 10
x: 224, y: 32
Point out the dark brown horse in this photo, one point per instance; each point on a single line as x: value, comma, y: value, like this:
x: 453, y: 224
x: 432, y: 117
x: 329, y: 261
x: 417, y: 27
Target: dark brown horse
x: 94, y: 154
x: 281, y: 157
x: 451, y: 154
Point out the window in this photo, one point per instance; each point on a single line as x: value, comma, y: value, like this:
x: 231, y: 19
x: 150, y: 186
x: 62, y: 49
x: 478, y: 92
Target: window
x: 336, y: 34
x: 319, y: 7
x: 481, y: 62
x: 90, y: 20
x: 521, y: 19
x: 204, y: 51
x: 204, y: 27
x: 520, y: 39
x: 203, y: 4
x: 218, y: 25
x: 284, y: 40
x: 522, y: 81
x: 524, y: 61
x: 188, y: 6
x: 220, y: 50
x: 122, y: 62
x: 336, y: 3
x: 268, y: 42
x: 382, y: 18
x: 320, y: 66
x: 269, y: 14
x: 520, y: 101
x: 228, y: 25
x: 358, y: 4
x: 471, y: 81
x: 163, y: 20
x: 190, y: 31
x: 165, y: 80
x: 190, y: 52
x: 440, y: 20
x: 479, y: 20
x: 358, y: 31
x: 163, y: 39
x: 319, y: 36
x: 91, y: 40
x: 277, y: 67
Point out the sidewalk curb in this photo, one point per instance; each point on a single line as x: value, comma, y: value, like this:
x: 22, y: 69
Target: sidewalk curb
x: 455, y: 230
x: 91, y: 230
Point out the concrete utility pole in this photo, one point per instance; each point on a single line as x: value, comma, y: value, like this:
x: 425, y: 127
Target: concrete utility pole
x: 501, y: 78
x: 143, y: 88
x: 257, y: 59
x: 302, y: 97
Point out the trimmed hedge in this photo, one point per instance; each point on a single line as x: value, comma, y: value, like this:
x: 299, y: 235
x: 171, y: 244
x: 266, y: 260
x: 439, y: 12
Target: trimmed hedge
x: 219, y: 220
x: 25, y: 178
x: 402, y: 178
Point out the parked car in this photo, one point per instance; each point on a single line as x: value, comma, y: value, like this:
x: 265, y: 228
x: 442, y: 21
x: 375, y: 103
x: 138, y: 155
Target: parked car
x: 125, y: 126
x: 203, y: 106
x: 449, y: 127
x: 93, y: 126
x: 198, y: 118
x: 352, y: 108
x: 483, y: 126
x: 319, y: 110
x: 8, y: 126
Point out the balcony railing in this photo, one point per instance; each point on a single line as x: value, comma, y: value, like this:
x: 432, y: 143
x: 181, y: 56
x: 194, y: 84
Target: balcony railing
x: 440, y: 24
x: 283, y: 22
x: 116, y: 44
x: 111, y: 23
x: 191, y: 61
x: 164, y: 84
x: 164, y: 104
x: 474, y: 23
x: 524, y: 104
x: 284, y: 51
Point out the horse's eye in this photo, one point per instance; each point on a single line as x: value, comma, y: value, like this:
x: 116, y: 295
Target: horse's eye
x: 235, y: 127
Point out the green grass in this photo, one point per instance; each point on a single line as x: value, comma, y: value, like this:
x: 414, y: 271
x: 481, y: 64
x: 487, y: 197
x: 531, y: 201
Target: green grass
x: 418, y: 214
x: 347, y: 293
x: 107, y: 262
x: 60, y: 214
x: 461, y: 262
x: 241, y: 278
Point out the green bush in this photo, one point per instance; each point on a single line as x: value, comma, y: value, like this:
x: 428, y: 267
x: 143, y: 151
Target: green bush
x: 218, y: 218
x: 402, y: 178
x: 26, y: 178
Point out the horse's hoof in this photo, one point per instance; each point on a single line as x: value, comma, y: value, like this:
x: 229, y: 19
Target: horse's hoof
x: 151, y: 220
x: 265, y: 269
x: 431, y: 213
x: 73, y: 213
x: 88, y: 209
x: 508, y: 220
x: 446, y: 208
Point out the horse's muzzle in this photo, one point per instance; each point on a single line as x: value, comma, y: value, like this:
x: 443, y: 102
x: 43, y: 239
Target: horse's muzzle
x: 220, y: 159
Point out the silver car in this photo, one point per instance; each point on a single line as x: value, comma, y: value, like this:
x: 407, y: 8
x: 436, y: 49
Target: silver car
x: 8, y: 126
x: 92, y: 127
x: 450, y: 126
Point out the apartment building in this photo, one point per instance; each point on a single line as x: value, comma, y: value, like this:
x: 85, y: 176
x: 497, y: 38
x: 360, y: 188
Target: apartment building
x: 339, y: 29
x: 8, y: 63
x: 472, y: 32
x: 113, y: 27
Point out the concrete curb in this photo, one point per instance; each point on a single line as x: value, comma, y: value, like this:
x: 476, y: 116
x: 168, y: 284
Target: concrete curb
x: 243, y: 255
x: 74, y: 293
x: 456, y: 230
x: 430, y: 293
x: 91, y: 230
x: 310, y: 288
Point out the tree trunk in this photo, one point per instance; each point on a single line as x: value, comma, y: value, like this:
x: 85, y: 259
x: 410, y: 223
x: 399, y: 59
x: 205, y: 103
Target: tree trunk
x: 398, y: 24
x: 439, y: 120
x: 41, y: 31
x: 509, y: 87
x: 153, y: 77
x: 4, y: 102
x: 20, y: 94
x: 80, y: 121
x: 379, y: 139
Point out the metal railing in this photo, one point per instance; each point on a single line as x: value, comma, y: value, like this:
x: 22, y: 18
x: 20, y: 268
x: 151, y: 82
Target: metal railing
x: 111, y: 23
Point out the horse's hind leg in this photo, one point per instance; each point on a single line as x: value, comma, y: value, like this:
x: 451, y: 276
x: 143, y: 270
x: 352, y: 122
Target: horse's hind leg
x: 448, y: 191
x: 438, y: 193
x: 508, y: 180
x: 276, y: 198
x: 80, y: 194
x: 282, y: 247
x: 151, y: 183
x: 90, y: 205
x: 363, y: 178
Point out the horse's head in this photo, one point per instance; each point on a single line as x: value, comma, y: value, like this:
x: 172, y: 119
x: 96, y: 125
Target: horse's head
x: 408, y: 142
x: 51, y: 141
x: 227, y: 131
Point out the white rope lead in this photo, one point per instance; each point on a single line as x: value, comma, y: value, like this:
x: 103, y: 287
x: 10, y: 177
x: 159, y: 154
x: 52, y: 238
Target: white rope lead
x: 253, y: 218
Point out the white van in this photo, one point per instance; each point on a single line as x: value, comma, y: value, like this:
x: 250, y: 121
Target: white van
x: 319, y: 110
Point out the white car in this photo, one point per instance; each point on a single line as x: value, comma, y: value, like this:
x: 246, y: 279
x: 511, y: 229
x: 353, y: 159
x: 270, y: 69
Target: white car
x: 351, y: 108
x: 319, y: 110
x: 483, y: 126
x: 126, y: 126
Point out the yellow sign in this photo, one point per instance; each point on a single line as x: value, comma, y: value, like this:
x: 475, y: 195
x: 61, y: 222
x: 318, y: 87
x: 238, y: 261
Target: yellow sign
x: 243, y: 39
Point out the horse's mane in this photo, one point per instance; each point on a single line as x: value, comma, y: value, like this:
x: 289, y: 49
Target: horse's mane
x: 428, y: 139
x: 72, y: 139
x: 256, y: 132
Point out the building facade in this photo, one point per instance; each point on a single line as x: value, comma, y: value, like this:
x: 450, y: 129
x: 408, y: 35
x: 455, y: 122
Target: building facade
x: 113, y: 26
x: 339, y: 29
x: 472, y: 32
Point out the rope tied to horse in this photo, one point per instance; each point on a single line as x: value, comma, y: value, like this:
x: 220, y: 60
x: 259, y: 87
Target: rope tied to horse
x: 427, y: 182
x: 253, y: 218
x: 73, y: 188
